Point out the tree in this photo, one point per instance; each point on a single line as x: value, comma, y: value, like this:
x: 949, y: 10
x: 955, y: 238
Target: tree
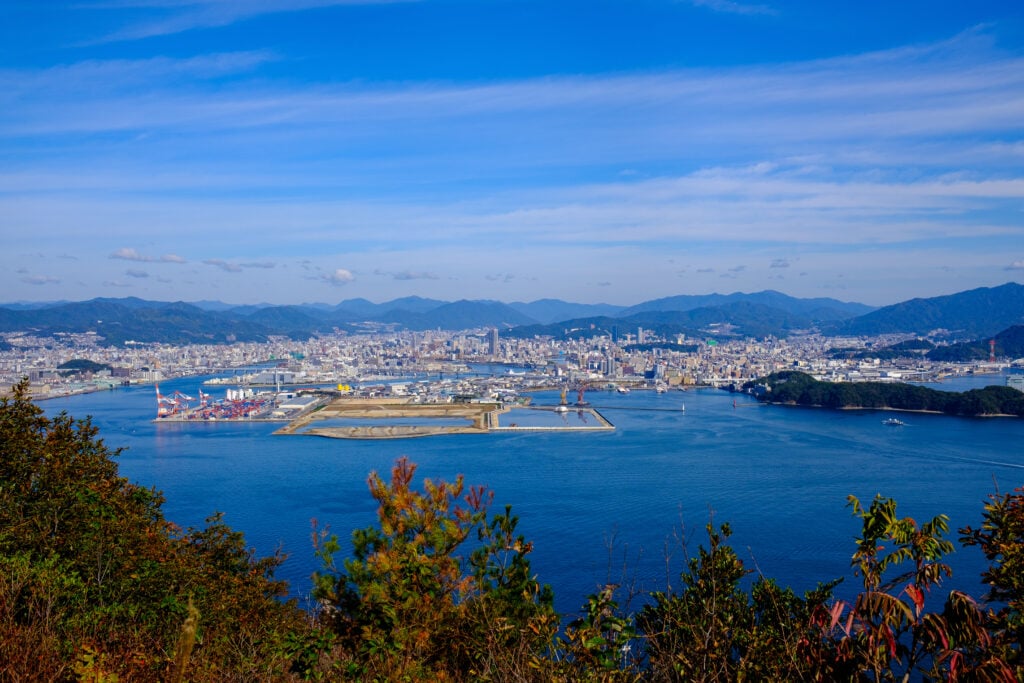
x: 96, y: 583
x: 407, y: 606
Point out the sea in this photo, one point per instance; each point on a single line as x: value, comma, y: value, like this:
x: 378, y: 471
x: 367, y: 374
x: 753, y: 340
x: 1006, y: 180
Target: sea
x: 625, y: 507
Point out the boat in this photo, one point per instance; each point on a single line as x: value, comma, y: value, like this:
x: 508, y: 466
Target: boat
x: 893, y: 422
x: 622, y: 390
x: 683, y: 408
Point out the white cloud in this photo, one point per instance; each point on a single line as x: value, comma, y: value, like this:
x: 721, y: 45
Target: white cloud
x: 129, y: 254
x: 186, y: 15
x: 1016, y: 265
x: 338, y: 277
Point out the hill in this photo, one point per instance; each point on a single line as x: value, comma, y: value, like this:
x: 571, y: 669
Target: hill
x: 797, y: 388
x: 819, y: 309
x: 975, y: 314
x: 460, y: 315
x: 547, y: 311
x: 736, y: 319
x: 116, y: 323
x: 969, y: 315
x: 1009, y: 344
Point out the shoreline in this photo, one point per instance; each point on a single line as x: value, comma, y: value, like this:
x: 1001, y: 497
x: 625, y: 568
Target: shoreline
x: 920, y: 411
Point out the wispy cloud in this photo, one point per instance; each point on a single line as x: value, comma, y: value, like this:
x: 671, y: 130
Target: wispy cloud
x: 732, y: 7
x: 414, y: 275
x: 223, y: 265
x: 40, y: 280
x: 176, y: 16
x: 910, y: 150
x: 1016, y: 265
x: 139, y: 274
x: 130, y: 254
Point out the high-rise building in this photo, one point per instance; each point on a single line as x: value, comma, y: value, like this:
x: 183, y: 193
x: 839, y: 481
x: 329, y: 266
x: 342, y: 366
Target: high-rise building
x: 493, y: 347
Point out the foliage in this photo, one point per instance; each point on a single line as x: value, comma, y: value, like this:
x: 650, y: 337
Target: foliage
x: 712, y: 629
x: 406, y: 606
x: 97, y: 584
x: 1001, y: 539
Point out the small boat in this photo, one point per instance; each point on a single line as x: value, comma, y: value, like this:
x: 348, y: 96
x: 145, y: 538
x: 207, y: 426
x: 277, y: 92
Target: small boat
x: 683, y: 408
x: 893, y: 422
x: 622, y: 390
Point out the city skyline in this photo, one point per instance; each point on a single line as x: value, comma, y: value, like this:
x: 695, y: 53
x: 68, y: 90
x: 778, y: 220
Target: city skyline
x: 613, y: 152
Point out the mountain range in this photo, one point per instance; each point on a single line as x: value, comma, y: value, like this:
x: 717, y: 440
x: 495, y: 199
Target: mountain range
x: 968, y: 315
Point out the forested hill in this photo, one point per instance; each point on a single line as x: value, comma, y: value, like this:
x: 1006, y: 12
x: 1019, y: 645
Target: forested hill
x: 975, y: 313
x: 1008, y: 344
x: 798, y: 388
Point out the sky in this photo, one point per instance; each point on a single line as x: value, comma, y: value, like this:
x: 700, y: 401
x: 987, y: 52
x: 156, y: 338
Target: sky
x: 616, y: 151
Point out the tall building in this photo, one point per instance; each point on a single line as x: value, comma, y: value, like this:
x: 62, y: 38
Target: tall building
x: 493, y: 347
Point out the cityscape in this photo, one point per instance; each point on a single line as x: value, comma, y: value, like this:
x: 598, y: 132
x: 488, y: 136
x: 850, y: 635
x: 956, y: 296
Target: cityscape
x: 417, y: 363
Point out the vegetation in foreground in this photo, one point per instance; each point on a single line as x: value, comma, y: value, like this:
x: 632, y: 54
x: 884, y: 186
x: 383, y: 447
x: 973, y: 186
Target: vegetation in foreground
x: 95, y: 585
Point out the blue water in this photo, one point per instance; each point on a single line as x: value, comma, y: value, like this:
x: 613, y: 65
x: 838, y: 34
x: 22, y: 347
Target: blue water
x: 599, y: 506
x: 531, y: 417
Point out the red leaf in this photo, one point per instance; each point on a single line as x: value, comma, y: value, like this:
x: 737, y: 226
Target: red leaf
x: 916, y: 595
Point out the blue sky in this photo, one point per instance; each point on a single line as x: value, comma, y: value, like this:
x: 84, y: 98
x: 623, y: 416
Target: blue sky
x: 615, y: 151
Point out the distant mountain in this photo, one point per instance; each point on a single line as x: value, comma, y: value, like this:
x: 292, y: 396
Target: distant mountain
x: 736, y: 319
x: 460, y: 315
x: 294, y: 321
x: 368, y: 309
x: 975, y: 314
x: 552, y: 310
x: 741, y: 318
x: 31, y: 305
x: 972, y: 314
x: 174, y: 323
x: 817, y: 310
x: 208, y: 305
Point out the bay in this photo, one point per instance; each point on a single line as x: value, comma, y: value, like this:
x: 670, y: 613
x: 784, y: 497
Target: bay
x: 599, y: 507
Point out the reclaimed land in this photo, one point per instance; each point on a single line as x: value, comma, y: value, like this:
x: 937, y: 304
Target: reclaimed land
x: 477, y: 415
x: 481, y: 418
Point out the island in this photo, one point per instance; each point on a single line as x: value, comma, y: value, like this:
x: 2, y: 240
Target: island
x: 792, y: 387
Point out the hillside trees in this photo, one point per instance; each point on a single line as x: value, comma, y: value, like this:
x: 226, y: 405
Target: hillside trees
x: 95, y: 582
x: 415, y: 601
